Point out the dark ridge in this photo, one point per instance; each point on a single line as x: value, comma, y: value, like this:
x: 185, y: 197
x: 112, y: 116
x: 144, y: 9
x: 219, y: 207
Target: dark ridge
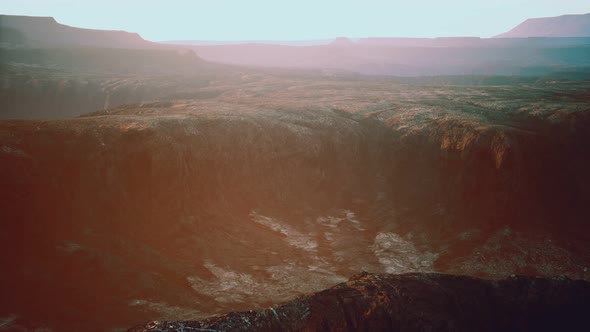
x: 415, y: 302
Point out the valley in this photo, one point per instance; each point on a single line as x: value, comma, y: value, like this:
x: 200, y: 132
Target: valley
x: 263, y: 187
x: 355, y: 184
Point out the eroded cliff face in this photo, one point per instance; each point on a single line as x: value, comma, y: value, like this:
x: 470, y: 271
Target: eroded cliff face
x: 110, y: 198
x: 513, y: 171
x: 273, y: 187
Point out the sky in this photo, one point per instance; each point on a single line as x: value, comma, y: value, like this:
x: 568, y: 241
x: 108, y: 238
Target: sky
x: 225, y: 20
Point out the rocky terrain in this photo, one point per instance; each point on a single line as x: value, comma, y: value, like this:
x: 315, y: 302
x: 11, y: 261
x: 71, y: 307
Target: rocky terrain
x: 58, y: 83
x: 416, y: 302
x: 254, y: 188
x: 142, y: 185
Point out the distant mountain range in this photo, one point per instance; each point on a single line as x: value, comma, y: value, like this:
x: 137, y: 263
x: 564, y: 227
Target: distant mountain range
x: 560, y: 26
x: 573, y: 26
x: 27, y: 31
x: 513, y: 53
x: 309, y: 42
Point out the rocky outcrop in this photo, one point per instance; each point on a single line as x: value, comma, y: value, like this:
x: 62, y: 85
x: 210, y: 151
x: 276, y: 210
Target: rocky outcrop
x: 415, y: 302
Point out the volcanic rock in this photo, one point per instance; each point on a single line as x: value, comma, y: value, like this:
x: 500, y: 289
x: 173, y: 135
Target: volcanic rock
x: 416, y: 302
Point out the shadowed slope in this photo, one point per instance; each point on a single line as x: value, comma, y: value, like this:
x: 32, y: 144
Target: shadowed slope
x: 416, y: 302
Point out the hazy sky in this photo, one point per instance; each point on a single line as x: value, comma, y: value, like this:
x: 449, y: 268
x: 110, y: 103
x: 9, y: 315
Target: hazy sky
x: 293, y: 20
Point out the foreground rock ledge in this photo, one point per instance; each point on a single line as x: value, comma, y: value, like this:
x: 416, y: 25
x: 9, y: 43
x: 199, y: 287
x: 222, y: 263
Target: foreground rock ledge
x: 417, y: 302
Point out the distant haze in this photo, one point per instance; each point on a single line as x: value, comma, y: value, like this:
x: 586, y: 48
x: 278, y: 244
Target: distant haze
x: 561, y: 26
x: 295, y: 20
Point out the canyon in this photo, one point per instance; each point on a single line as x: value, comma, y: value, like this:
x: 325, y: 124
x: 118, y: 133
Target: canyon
x: 263, y: 186
x: 156, y: 187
